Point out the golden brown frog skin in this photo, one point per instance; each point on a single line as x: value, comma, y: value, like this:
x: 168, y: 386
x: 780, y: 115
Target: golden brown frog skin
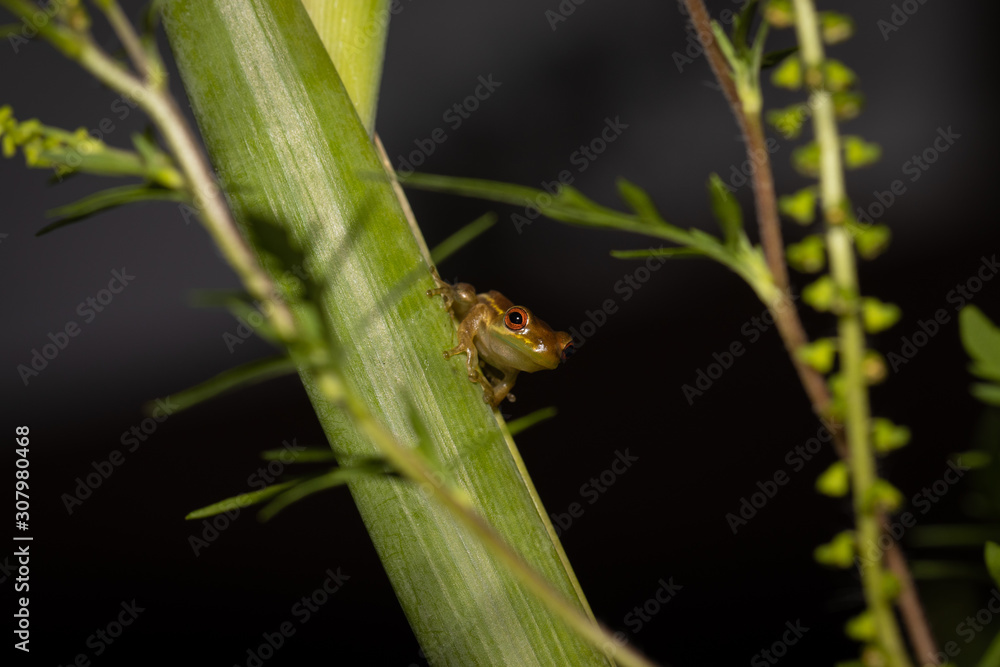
x: 502, y: 337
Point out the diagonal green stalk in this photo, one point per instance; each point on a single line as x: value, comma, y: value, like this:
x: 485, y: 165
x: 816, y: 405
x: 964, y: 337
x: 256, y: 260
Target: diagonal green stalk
x: 843, y: 269
x: 284, y: 133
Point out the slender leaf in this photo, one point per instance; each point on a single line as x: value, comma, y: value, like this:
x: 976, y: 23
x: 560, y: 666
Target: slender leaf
x: 951, y: 535
x: 726, y: 209
x: 529, y: 420
x: 725, y: 45
x: 945, y: 569
x: 639, y: 201
x: 241, y: 376
x: 453, y: 243
x: 334, y: 478
x: 658, y: 252
x: 992, y: 557
x: 108, y: 199
x: 991, y: 658
x: 242, y: 500
x: 741, y: 25
x: 774, y: 58
x: 308, y: 455
x: 506, y: 193
x: 987, y: 393
x: 568, y: 205
x: 757, y: 51
x: 240, y: 305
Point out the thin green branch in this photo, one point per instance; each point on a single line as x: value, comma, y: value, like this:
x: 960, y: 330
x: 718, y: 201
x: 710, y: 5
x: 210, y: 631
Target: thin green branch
x: 413, y: 466
x: 157, y: 102
x: 129, y: 39
x: 843, y: 269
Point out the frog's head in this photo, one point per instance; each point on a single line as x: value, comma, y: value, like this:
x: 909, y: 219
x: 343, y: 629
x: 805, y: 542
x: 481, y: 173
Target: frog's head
x: 527, y: 343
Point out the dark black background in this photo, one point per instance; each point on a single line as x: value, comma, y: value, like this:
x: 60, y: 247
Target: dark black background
x: 665, y: 517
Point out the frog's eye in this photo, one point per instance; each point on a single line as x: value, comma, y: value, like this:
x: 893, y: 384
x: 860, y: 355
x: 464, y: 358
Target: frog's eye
x: 515, y: 318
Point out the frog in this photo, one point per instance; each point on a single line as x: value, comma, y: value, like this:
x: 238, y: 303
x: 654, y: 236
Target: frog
x: 500, y: 338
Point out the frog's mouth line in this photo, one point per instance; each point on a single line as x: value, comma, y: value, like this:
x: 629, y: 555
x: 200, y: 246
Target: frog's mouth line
x: 516, y: 348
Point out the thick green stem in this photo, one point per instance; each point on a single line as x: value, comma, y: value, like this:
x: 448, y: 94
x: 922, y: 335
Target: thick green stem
x: 843, y: 270
x: 284, y: 133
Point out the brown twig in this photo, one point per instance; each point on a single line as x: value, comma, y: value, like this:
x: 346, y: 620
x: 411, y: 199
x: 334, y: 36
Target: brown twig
x: 786, y: 314
x: 910, y: 608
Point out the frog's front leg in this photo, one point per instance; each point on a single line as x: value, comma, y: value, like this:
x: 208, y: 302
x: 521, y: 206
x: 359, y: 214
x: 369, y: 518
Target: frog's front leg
x: 443, y: 289
x: 502, y: 388
x: 466, y: 343
x: 458, y: 298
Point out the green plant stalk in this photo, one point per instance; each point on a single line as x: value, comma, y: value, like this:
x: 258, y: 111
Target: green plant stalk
x: 353, y: 33
x: 130, y: 40
x: 156, y: 101
x: 252, y: 71
x: 413, y: 467
x: 843, y: 270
